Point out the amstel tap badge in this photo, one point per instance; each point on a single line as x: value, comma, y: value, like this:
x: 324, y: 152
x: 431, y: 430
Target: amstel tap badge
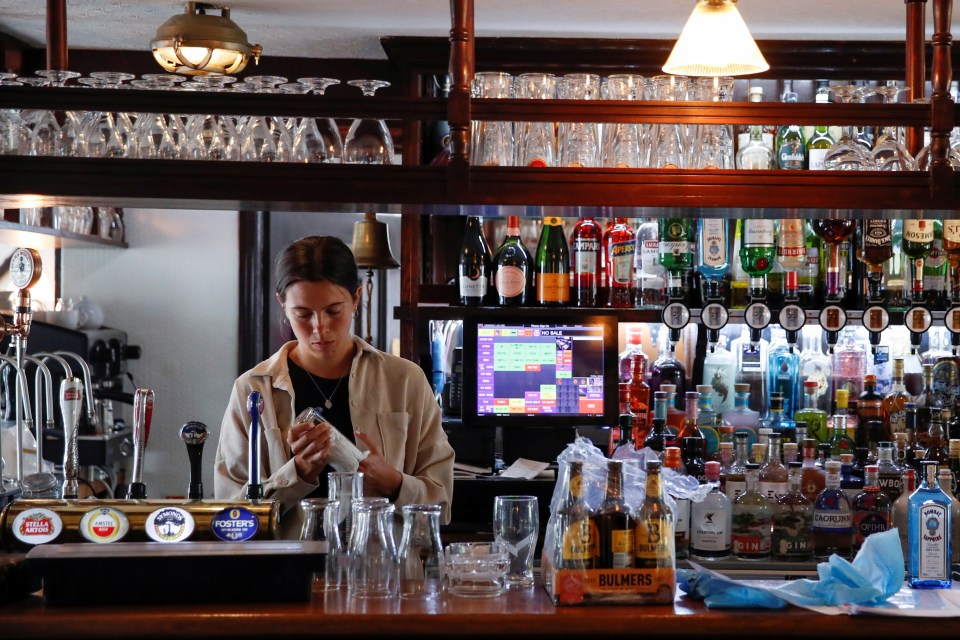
x: 104, y: 524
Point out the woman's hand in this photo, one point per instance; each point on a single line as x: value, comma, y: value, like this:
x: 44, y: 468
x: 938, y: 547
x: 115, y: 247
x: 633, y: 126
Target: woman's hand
x: 310, y: 446
x: 379, y: 478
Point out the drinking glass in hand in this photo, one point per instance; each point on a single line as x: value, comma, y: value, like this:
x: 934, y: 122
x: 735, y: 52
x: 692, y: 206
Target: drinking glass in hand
x: 516, y: 523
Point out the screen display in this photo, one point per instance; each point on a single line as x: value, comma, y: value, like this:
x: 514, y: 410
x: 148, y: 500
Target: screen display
x: 521, y: 370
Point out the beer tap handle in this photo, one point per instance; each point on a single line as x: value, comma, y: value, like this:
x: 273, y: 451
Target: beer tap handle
x: 142, y: 416
x: 255, y: 409
x: 71, y: 399
x: 194, y: 434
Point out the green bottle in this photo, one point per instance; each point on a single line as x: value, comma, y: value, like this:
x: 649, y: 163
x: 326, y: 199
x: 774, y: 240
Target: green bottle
x: 917, y: 241
x: 790, y: 145
x: 758, y: 250
x: 552, y: 264
x: 676, y: 244
x: 821, y: 140
x: 815, y: 417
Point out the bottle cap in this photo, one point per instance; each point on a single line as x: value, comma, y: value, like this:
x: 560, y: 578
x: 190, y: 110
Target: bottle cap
x: 809, y: 443
x: 872, y: 468
x: 741, y: 387
x: 726, y: 445
x: 712, y: 470
x: 669, y: 388
x: 794, y: 464
x: 846, y: 458
x: 704, y: 388
x: 752, y: 466
x: 692, y: 396
x: 843, y: 398
x: 626, y: 420
x: 809, y: 385
x: 634, y: 335
x: 954, y: 445
x: 765, y: 431
x: 789, y: 446
x: 652, y: 465
x: 900, y: 437
x: 759, y: 449
x: 660, y: 395
x: 870, y: 379
x: 671, y: 458
x: 741, y: 436
x: 832, y: 465
x: 944, y: 473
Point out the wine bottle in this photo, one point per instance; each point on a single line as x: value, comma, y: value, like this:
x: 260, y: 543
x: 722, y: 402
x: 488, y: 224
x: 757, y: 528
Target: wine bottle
x: 475, y: 263
x: 585, y: 261
x: 552, y: 264
x: 513, y: 268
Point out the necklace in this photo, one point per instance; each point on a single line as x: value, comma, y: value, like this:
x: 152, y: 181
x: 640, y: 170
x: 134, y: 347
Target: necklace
x: 326, y: 401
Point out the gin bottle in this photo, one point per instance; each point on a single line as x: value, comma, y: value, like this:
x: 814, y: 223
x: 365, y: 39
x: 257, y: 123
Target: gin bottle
x: 832, y: 518
x: 742, y: 418
x: 714, y: 246
x: 711, y: 521
x: 792, y: 518
x: 774, y: 478
x: 872, y: 508
x: 779, y: 422
x: 752, y: 532
x: 752, y: 367
x: 812, y: 480
x: 929, y: 525
x: 656, y: 438
x: 720, y: 371
x: 815, y: 418
x: 815, y: 365
x: 783, y: 371
x: 901, y: 509
x: 894, y: 404
x: 736, y: 475
x: 840, y: 442
x: 888, y: 472
x: 708, y: 422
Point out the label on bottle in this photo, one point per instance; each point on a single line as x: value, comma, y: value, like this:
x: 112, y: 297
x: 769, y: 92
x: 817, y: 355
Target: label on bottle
x: 877, y: 234
x: 791, y: 527
x: 866, y: 523
x: 683, y: 517
x: 708, y: 529
x: 758, y: 233
x: 773, y: 490
x: 510, y: 281
x: 735, y: 487
x: 585, y: 252
x: 750, y: 358
x: 833, y: 521
x: 918, y: 231
x: 621, y: 255
x: 714, y: 240
x: 752, y: 531
x: 791, y: 243
x: 473, y: 287
x: 553, y: 287
x: 932, y: 540
x: 653, y: 542
x: 951, y: 231
x: 579, y: 541
x: 675, y: 248
x: 650, y: 257
x: 791, y: 153
x: 945, y: 378
x: 621, y: 543
x: 816, y: 157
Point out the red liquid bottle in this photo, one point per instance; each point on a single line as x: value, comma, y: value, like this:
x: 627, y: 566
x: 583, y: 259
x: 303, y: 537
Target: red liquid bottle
x: 639, y: 398
x: 621, y: 244
x: 585, y: 262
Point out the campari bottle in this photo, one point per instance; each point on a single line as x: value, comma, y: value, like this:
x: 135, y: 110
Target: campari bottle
x: 513, y: 268
x: 621, y: 243
x: 585, y: 261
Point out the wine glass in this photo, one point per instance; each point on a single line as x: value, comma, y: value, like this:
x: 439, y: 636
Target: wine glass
x: 848, y: 154
x: 264, y: 138
x: 329, y: 132
x: 889, y: 153
x: 210, y: 136
x: 314, y: 139
x: 368, y: 140
x: 12, y: 139
x: 57, y: 77
x: 154, y: 138
x: 113, y: 79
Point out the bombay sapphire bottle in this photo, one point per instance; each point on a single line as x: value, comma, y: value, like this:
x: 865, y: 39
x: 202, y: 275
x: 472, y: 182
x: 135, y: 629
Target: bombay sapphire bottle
x: 783, y: 371
x: 714, y: 246
x: 929, y: 527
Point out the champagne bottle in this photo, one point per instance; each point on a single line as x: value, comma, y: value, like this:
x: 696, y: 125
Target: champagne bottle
x: 475, y: 263
x: 513, y: 268
x: 552, y: 264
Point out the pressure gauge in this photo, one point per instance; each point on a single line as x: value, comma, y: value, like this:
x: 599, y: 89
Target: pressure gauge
x: 25, y: 268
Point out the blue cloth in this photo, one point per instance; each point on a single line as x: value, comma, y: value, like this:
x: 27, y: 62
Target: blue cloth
x: 718, y: 593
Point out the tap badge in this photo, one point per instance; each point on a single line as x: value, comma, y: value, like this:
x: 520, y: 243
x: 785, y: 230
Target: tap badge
x: 235, y: 524
x: 104, y: 524
x: 169, y: 524
x: 37, y: 526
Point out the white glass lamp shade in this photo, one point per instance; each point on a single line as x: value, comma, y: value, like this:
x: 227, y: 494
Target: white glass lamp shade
x: 715, y: 42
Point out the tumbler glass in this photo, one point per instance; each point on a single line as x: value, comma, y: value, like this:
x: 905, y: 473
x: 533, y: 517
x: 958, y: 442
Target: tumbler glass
x: 320, y: 525
x: 622, y: 140
x: 421, y: 552
x: 492, y: 142
x: 344, y: 487
x: 372, y: 552
x: 535, y: 141
x: 516, y: 524
x: 579, y: 142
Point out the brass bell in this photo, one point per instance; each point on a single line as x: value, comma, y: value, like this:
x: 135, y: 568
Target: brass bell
x: 371, y: 245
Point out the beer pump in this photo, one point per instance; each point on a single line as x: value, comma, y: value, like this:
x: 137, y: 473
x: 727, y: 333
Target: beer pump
x: 194, y: 434
x: 41, y: 484
x: 71, y: 400
x: 142, y: 417
x: 255, y: 409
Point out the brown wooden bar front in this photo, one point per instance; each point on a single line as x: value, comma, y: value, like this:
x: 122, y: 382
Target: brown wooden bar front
x: 527, y: 613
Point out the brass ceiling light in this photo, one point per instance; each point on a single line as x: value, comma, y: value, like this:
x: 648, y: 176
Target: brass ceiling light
x: 195, y: 43
x: 715, y: 42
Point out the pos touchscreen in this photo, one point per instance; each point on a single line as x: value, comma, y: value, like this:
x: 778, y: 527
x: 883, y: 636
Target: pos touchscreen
x: 540, y: 369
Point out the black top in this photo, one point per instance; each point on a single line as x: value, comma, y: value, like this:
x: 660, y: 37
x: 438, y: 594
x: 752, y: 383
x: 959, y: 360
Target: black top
x: 307, y: 390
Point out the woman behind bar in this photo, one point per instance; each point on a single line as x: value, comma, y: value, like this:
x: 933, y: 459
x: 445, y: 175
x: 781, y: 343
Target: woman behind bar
x: 381, y: 402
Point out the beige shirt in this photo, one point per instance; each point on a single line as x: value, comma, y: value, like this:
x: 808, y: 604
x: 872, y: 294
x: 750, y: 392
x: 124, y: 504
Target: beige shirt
x: 391, y: 402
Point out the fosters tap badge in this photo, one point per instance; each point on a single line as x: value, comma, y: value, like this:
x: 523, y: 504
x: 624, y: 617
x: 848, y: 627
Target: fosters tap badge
x: 235, y: 524
x: 37, y: 526
x: 169, y: 524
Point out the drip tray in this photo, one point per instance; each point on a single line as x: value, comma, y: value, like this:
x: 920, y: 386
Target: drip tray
x: 186, y: 572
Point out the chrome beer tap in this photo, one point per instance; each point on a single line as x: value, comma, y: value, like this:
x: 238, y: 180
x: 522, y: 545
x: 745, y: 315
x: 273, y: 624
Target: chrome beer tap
x: 92, y: 418
x: 24, y: 415
x: 194, y: 434
x: 255, y: 409
x: 142, y: 417
x: 71, y: 399
x: 41, y: 484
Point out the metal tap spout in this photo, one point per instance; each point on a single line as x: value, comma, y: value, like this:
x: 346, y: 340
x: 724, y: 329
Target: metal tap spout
x: 92, y: 417
x: 24, y: 419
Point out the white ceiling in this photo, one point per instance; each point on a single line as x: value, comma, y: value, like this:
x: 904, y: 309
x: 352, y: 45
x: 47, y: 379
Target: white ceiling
x: 352, y: 28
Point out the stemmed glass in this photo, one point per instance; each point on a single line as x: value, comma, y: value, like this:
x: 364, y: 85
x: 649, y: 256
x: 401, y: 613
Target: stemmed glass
x: 107, y: 134
x: 113, y: 79
x: 847, y: 154
x: 156, y: 138
x: 889, y: 153
x: 211, y: 136
x: 923, y: 156
x: 264, y: 138
x: 315, y: 140
x: 368, y: 140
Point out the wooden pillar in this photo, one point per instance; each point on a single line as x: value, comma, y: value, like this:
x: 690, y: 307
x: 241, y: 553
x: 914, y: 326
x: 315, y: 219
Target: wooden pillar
x: 941, y: 105
x: 458, y: 102
x: 916, y: 66
x: 57, y: 35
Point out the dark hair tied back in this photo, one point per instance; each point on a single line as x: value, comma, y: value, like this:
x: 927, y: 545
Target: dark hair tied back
x: 317, y: 259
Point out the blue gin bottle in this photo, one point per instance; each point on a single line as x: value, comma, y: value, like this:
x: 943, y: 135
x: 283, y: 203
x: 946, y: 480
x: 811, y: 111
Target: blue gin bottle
x: 783, y: 372
x: 714, y: 247
x: 928, y: 536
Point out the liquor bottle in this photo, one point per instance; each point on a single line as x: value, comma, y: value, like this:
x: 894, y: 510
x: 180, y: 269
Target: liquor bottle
x: 945, y: 481
x: 954, y: 449
x: 620, y: 243
x: 735, y: 482
x: 651, y: 278
x: 936, y: 446
x: 752, y: 532
x: 708, y: 422
x: 912, y: 366
x: 808, y: 275
x: 738, y: 277
x: 901, y: 509
x: 639, y: 398
x: 840, y: 442
x: 653, y: 536
x: 833, y: 233
x: 832, y: 518
x: 675, y: 417
x: 870, y: 426
x: 632, y: 351
x: 790, y: 145
x: 927, y: 403
x: 815, y: 418
x: 625, y: 436
x: 689, y: 428
x: 872, y: 508
x: 692, y: 458
x: 792, y: 519
x: 773, y: 475
x: 752, y: 367
x: 513, y: 268
x: 585, y: 261
x: 576, y: 532
x: 929, y: 527
x: 791, y: 451
x: 911, y: 456
x: 755, y: 154
x: 850, y: 481
x: 552, y: 264
x: 714, y: 246
x: 783, y: 371
x: 935, y: 271
x: 675, y: 251
x: 658, y: 424
x: 711, y: 520
x: 758, y: 250
x: 849, y: 364
x: 951, y: 246
x: 876, y: 247
x: 614, y: 526
x: 475, y: 264
x: 719, y: 371
x: 769, y: 131
x: 820, y: 142
x: 666, y: 369
x: 727, y: 460
x: 742, y: 418
x: 812, y: 480
x: 894, y: 404
x: 889, y: 473
x: 946, y: 373
x: 681, y: 532
x: 779, y: 423
x: 917, y: 242
x: 815, y: 365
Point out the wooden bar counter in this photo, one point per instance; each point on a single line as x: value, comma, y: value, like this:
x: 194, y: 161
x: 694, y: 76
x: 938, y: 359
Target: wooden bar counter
x: 518, y: 613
